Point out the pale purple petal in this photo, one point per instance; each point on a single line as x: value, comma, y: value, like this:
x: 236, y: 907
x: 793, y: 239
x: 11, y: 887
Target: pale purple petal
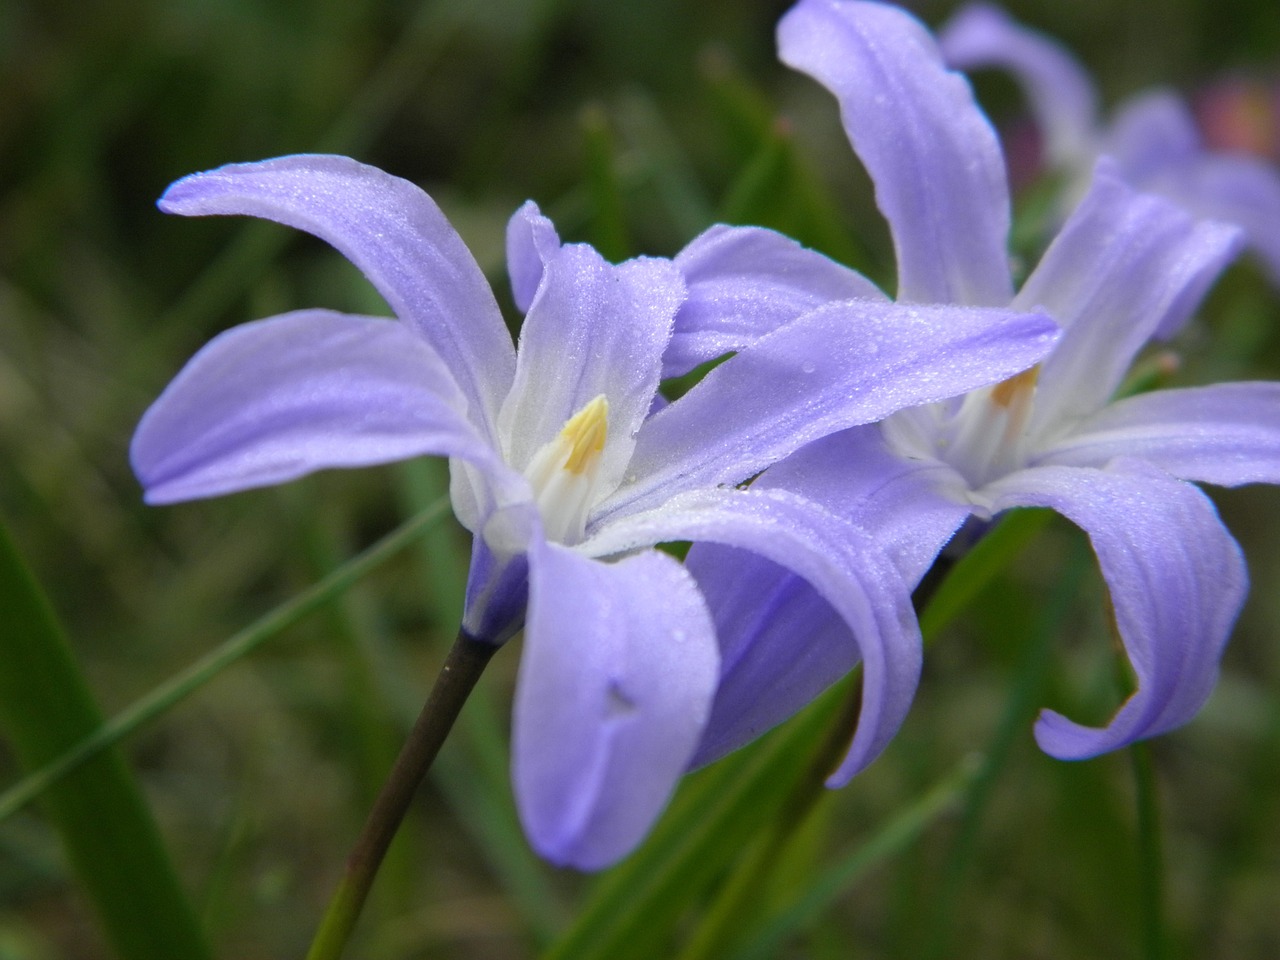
x: 395, y: 234
x: 839, y: 366
x: 910, y: 507
x: 745, y: 282
x: 1150, y: 133
x: 847, y: 570
x: 615, y: 685
x: 1236, y: 189
x: 1124, y: 265
x: 1059, y: 91
x: 1227, y: 434
x: 780, y: 641
x: 781, y: 645
x: 276, y: 399
x: 1176, y: 579
x: 594, y: 328
x: 531, y: 241
x: 935, y: 161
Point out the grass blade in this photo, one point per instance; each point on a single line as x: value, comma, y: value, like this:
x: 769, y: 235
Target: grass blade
x: 98, y: 737
x: 105, y: 825
x: 718, y: 812
x: 826, y: 887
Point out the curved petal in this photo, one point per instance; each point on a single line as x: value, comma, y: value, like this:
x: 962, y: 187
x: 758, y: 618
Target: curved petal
x: 1124, y: 265
x: 1241, y: 190
x: 1059, y: 91
x: 615, y: 684
x: 745, y: 282
x: 594, y: 328
x: 1150, y: 133
x: 531, y: 241
x: 399, y: 239
x: 781, y: 645
x: 847, y: 570
x: 910, y: 507
x: 1228, y: 434
x: 1177, y: 581
x: 273, y: 400
x: 841, y: 365
x: 939, y: 174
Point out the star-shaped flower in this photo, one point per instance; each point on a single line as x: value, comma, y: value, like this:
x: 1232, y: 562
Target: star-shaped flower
x: 1124, y: 266
x: 560, y: 467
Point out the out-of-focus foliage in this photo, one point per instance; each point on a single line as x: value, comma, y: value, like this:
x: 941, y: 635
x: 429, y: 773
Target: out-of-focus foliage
x: 634, y: 124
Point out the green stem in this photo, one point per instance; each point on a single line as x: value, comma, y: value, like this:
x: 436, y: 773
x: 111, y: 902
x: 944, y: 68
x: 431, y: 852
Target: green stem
x: 458, y: 676
x: 203, y: 670
x: 723, y: 925
x: 1150, y: 852
x: 769, y: 940
x: 1019, y: 708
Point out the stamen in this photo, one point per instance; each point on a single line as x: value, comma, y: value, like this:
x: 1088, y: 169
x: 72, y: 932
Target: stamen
x: 585, y: 434
x: 564, y: 472
x: 1006, y: 392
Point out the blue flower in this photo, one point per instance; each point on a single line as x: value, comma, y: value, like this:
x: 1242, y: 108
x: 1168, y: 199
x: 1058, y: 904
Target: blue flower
x: 1152, y: 136
x: 560, y: 466
x: 1124, y: 266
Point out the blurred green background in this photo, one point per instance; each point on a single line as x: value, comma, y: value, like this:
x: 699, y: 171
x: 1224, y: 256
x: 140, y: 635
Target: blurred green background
x: 634, y: 125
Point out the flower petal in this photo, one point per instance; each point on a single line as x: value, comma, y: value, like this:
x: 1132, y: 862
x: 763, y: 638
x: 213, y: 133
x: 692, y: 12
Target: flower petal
x: 848, y: 571
x: 615, y: 684
x: 1123, y: 266
x: 1059, y: 91
x: 395, y: 234
x: 841, y: 365
x: 910, y: 507
x: 1227, y: 434
x: 939, y: 174
x: 1241, y: 190
x: 276, y: 399
x: 531, y: 241
x: 1177, y: 581
x: 745, y: 282
x: 593, y: 328
x: 1150, y: 133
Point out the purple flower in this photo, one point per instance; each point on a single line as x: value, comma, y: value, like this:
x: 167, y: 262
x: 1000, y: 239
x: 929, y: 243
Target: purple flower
x: 1152, y: 136
x: 1124, y: 266
x: 560, y: 468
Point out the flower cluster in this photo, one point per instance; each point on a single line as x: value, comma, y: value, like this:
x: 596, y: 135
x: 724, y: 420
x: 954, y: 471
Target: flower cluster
x: 818, y: 471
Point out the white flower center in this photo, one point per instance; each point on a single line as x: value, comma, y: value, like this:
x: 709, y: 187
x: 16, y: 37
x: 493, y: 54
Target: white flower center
x: 565, y: 472
x: 984, y: 439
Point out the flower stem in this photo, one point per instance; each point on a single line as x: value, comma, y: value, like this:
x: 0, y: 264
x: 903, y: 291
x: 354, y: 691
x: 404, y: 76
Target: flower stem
x: 1150, y: 852
x: 466, y: 661
x: 741, y: 894
x: 739, y: 900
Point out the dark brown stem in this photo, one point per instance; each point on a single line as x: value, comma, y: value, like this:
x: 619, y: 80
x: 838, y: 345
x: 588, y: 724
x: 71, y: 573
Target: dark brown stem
x: 462, y: 668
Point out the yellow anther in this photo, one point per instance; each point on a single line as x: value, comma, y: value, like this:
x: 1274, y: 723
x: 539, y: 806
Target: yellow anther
x: 1016, y: 387
x: 585, y: 434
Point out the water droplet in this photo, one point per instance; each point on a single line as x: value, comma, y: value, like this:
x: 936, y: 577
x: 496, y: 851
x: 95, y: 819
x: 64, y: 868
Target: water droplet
x: 617, y: 702
x: 808, y: 367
